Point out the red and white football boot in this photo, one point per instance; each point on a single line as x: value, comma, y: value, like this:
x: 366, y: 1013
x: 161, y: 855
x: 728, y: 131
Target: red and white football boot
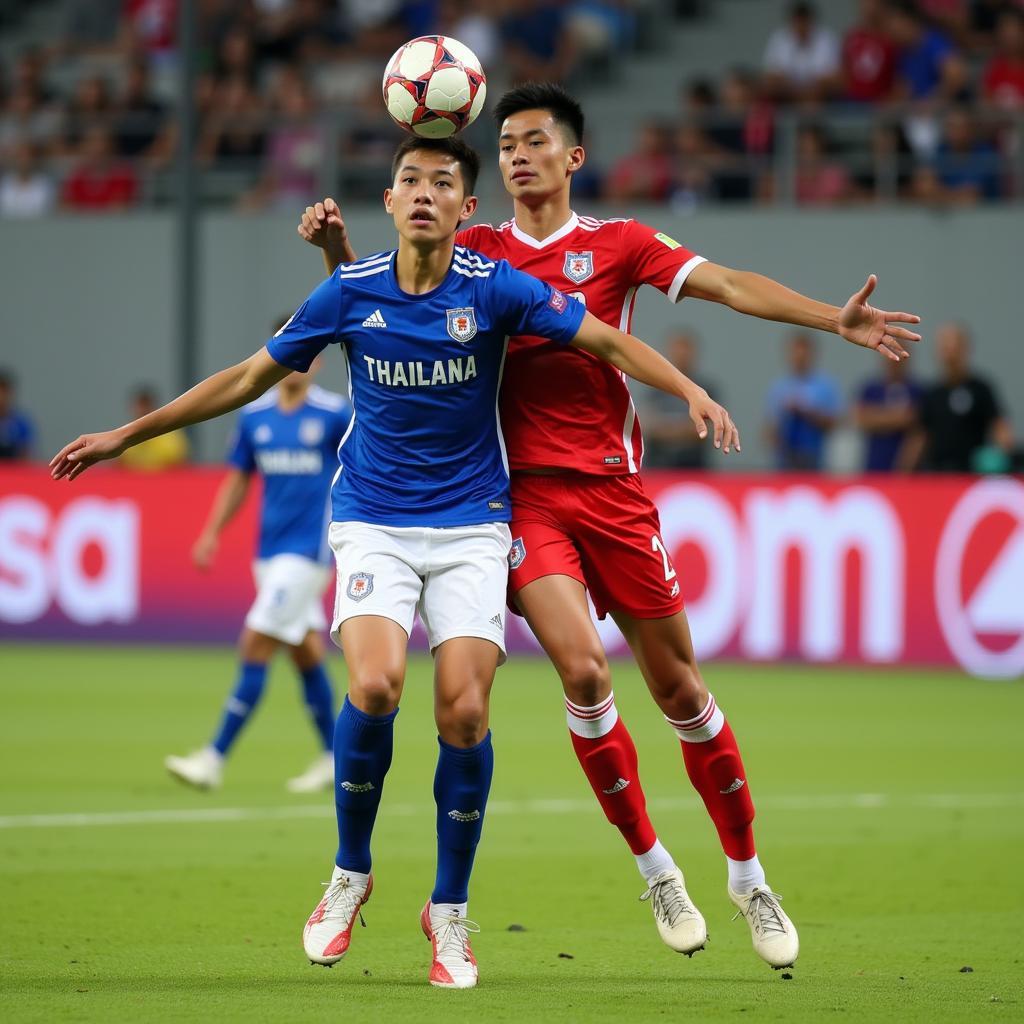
x: 328, y: 931
x: 454, y: 965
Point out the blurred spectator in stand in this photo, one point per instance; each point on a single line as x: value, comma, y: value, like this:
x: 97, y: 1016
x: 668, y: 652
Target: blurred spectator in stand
x: 25, y: 190
x: 869, y: 56
x: 142, y: 130
x: 100, y: 181
x: 149, y: 27
x: 1003, y: 79
x: 962, y: 427
x: 537, y: 45
x: 801, y: 59
x: 296, y: 146
x: 803, y: 407
x: 695, y: 158
x: 820, y: 179
x: 16, y: 429
x: 951, y: 16
x: 235, y: 128
x: 91, y: 107
x: 965, y: 169
x: 30, y: 111
x: 928, y: 65
x: 646, y: 173
x: 164, y: 452
x: 301, y: 30
x: 886, y: 412
x: 476, y: 28
x: 91, y: 27
x: 670, y: 439
x: 236, y: 56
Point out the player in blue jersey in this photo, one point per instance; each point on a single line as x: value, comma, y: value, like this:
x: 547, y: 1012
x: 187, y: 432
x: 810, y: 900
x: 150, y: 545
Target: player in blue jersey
x: 420, y: 507
x: 290, y: 437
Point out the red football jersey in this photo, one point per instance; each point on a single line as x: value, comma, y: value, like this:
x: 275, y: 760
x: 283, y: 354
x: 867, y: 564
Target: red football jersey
x: 561, y: 407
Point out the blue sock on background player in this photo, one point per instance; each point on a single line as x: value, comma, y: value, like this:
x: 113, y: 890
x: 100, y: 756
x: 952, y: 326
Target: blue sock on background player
x: 319, y: 695
x: 461, y: 784
x: 252, y: 677
x: 362, y: 756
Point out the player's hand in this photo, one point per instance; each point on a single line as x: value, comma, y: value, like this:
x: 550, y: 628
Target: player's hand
x: 724, y: 432
x: 323, y: 226
x: 75, y: 458
x: 873, y: 328
x: 204, y: 550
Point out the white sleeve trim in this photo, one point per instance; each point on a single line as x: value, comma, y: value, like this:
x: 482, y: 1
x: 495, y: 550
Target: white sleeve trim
x: 675, y: 289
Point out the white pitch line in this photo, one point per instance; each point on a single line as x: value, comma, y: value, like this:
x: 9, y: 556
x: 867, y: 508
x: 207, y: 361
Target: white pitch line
x: 218, y: 815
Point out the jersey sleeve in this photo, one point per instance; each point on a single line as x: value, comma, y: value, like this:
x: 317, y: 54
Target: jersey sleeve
x: 240, y: 451
x: 522, y: 304
x: 312, y: 327
x: 655, y: 258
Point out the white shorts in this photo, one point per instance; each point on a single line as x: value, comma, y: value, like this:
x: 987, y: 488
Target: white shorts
x: 288, y: 599
x: 456, y: 578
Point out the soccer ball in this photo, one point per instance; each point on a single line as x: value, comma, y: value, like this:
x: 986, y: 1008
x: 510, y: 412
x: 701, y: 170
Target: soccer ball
x: 434, y: 87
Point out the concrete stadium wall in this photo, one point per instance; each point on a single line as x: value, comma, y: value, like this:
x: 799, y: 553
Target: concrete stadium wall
x: 88, y: 304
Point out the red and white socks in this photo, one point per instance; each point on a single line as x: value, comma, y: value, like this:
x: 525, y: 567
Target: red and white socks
x: 608, y: 758
x: 713, y: 763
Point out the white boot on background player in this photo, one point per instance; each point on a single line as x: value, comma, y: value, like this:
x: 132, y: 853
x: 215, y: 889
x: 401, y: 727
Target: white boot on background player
x: 203, y: 769
x: 317, y: 777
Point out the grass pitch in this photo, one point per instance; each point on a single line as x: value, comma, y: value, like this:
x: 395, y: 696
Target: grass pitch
x: 891, y: 816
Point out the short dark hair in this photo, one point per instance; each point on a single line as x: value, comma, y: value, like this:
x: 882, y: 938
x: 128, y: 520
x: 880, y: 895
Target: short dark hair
x: 543, y: 96
x: 466, y: 156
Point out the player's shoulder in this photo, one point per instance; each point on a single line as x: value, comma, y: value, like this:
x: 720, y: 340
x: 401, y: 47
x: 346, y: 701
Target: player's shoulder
x: 605, y: 225
x: 469, y: 262
x: 366, y: 268
x: 328, y: 401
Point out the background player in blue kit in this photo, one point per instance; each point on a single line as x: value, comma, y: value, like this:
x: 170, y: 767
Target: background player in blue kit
x: 420, y: 507
x: 290, y: 437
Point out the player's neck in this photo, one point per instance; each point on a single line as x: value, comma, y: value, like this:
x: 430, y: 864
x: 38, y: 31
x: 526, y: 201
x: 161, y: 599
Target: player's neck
x: 542, y: 219
x: 289, y: 401
x: 420, y: 269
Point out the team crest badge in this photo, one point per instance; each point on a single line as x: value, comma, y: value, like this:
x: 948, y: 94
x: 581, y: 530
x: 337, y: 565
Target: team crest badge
x: 262, y: 434
x: 462, y: 324
x: 517, y: 553
x: 360, y: 585
x: 578, y: 266
x: 311, y: 432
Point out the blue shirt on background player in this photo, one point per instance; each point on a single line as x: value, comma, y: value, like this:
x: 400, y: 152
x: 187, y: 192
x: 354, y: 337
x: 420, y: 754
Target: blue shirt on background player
x: 295, y: 452
x: 425, y: 448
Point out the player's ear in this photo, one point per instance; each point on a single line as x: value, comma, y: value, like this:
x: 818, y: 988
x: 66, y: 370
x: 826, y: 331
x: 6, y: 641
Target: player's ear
x: 577, y: 156
x: 468, y: 208
x: 389, y: 200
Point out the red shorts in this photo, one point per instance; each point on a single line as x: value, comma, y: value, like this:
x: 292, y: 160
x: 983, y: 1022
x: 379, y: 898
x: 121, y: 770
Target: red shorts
x: 601, y: 530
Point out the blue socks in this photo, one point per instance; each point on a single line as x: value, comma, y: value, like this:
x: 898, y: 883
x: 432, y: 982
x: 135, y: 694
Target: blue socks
x: 362, y: 756
x: 461, y: 785
x: 316, y: 685
x: 240, y: 705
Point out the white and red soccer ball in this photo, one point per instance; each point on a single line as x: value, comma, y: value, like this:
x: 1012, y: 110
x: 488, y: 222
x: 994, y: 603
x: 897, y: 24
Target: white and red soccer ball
x: 434, y: 86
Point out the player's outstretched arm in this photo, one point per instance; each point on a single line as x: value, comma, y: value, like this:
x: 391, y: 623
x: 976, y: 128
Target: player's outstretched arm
x: 224, y: 391
x: 760, y: 296
x: 323, y: 226
x: 643, y: 363
x: 228, y: 500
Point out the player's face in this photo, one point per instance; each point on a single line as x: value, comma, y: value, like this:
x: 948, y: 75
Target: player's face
x: 536, y: 158
x: 428, y: 200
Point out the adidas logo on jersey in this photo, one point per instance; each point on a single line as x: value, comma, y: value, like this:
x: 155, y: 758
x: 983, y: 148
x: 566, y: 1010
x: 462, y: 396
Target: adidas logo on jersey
x: 357, y: 787
x: 617, y: 788
x: 375, y: 319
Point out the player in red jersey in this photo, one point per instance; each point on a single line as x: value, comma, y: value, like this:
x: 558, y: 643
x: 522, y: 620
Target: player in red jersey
x: 581, y: 519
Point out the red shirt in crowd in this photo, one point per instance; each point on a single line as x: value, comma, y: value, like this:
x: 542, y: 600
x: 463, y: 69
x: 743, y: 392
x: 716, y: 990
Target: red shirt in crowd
x: 869, y: 65
x: 92, y: 189
x: 1003, y: 82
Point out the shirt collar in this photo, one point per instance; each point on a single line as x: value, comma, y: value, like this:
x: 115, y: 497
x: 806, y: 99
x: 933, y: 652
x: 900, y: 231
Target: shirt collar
x: 566, y: 229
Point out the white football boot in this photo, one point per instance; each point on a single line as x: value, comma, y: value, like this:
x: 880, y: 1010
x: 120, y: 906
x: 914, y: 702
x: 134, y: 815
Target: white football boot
x: 318, y: 776
x: 773, y: 934
x: 203, y: 769
x: 453, y: 965
x: 328, y: 932
x: 680, y: 924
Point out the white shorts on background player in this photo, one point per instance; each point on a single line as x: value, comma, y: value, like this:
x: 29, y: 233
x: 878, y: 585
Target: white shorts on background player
x: 455, y: 577
x: 289, y: 592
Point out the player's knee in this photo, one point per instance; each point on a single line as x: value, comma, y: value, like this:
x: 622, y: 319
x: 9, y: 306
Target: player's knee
x: 586, y: 678
x: 375, y: 693
x: 462, y: 722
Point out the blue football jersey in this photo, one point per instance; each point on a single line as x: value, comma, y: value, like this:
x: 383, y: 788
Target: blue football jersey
x: 296, y: 454
x: 425, y: 448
